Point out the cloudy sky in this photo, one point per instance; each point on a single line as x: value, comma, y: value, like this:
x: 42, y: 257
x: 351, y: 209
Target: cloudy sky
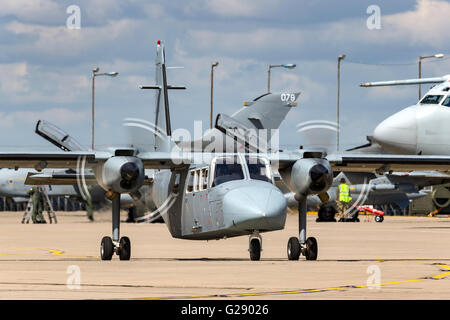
x: 45, y: 67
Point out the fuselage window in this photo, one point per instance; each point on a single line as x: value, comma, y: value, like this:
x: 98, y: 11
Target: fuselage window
x: 227, y: 169
x: 431, y: 99
x: 258, y: 169
x: 197, y: 180
x: 446, y: 102
x: 204, y: 179
x: 190, y: 184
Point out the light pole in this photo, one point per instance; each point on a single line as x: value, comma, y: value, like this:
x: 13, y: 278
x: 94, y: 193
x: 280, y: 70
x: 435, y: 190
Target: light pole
x: 340, y: 57
x: 439, y: 55
x: 287, y: 66
x: 213, y: 65
x: 96, y: 74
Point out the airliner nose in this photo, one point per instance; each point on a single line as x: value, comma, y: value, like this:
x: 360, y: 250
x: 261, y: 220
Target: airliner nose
x: 257, y: 207
x: 398, y: 133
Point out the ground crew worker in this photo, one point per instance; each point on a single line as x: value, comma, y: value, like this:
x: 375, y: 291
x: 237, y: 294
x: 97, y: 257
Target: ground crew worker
x: 38, y: 205
x: 343, y: 199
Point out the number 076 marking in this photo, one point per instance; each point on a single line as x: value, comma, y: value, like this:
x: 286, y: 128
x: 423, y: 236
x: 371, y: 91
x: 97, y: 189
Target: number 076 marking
x: 287, y: 97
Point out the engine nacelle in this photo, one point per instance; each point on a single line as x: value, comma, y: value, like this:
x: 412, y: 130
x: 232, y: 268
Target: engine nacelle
x: 309, y: 176
x: 441, y: 197
x: 121, y: 174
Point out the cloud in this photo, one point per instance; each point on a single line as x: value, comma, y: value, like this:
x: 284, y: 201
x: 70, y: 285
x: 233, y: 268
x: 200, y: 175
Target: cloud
x: 42, y: 11
x: 13, y: 78
x: 238, y: 8
x: 61, y: 116
x: 426, y: 24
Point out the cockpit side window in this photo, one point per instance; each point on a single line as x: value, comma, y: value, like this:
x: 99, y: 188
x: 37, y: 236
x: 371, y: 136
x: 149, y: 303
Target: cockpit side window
x: 431, y: 99
x: 446, y: 102
x: 190, y: 184
x: 259, y: 169
x: 227, y: 169
x: 204, y: 179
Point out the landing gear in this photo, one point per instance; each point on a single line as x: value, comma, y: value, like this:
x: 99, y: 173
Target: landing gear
x: 379, y: 218
x: 107, y: 248
x: 124, y: 248
x: 255, y: 246
x: 311, y: 249
x: 296, y: 246
x: 110, y: 246
x: 293, y: 249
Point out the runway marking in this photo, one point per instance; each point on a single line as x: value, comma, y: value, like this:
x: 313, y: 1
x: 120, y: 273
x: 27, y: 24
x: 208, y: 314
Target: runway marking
x: 54, y: 252
x: 339, y: 288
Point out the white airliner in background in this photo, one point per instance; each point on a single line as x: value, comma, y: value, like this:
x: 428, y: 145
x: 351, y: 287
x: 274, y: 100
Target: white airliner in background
x: 421, y: 129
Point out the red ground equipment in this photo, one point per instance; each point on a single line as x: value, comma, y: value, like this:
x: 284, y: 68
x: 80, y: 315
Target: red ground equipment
x: 379, y: 215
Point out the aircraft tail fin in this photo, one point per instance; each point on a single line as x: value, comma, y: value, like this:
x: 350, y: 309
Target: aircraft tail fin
x: 267, y: 111
x: 159, y: 131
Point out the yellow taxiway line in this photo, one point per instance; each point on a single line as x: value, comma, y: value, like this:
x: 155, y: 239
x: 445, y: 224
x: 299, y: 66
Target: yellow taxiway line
x: 346, y: 287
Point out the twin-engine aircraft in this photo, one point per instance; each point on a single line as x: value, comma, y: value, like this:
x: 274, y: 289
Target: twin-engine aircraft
x: 206, y: 195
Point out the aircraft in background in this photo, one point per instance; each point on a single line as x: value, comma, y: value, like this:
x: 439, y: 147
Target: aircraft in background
x: 420, y: 129
x: 375, y: 189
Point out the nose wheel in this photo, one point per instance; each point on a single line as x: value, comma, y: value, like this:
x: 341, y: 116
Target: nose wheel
x: 255, y: 246
x: 109, y: 245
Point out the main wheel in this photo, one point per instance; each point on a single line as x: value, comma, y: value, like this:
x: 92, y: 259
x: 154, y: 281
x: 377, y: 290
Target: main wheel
x: 107, y: 248
x: 379, y: 218
x: 255, y: 250
x: 293, y: 248
x: 124, y: 248
x: 311, y: 249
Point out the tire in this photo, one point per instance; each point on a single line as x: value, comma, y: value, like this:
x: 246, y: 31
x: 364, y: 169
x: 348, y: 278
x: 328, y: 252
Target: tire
x: 293, y: 249
x: 311, y: 249
x: 326, y: 213
x: 106, y: 248
x: 379, y: 218
x: 124, y: 248
x: 255, y: 250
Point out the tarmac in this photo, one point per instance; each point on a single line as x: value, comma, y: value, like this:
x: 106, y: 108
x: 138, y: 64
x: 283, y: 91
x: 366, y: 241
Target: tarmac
x: 400, y: 258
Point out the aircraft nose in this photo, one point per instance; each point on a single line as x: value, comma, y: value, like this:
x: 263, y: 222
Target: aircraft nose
x: 255, y: 207
x: 398, y: 133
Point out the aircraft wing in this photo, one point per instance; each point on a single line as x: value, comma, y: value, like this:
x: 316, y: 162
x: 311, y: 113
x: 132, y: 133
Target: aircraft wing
x: 381, y: 163
x: 169, y: 160
x: 67, y: 177
x: 41, y: 160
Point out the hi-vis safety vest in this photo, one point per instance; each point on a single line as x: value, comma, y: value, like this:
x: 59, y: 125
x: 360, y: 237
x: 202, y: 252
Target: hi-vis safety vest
x: 344, y: 195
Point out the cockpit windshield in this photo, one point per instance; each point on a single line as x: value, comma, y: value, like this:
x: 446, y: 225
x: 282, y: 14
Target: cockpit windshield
x: 446, y: 102
x: 227, y: 169
x: 431, y: 99
x: 258, y: 168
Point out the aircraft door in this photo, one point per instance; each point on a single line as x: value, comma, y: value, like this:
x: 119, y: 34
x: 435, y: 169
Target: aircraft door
x: 201, y: 202
x: 191, y: 222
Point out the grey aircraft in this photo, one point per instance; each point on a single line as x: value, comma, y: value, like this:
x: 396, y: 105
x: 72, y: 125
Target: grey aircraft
x: 206, y: 195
